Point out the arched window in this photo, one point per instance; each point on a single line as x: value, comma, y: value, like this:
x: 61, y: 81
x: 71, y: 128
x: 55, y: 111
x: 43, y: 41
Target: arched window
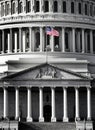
x: 85, y: 9
x: 46, y: 7
x: 13, y: 7
x: 28, y: 6
x: 79, y: 8
x: 64, y: 6
x: 55, y: 6
x: 37, y: 6
x: 20, y: 8
x: 6, y: 8
x: 2, y: 9
x: 72, y: 7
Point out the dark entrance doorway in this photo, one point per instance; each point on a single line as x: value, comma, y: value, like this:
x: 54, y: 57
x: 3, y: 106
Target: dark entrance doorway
x: 47, y: 113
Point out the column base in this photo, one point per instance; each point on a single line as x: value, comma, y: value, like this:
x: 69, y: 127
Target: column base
x: 53, y: 119
x: 29, y: 119
x: 41, y: 119
x: 17, y: 118
x: 89, y: 118
x: 65, y: 119
x: 77, y: 119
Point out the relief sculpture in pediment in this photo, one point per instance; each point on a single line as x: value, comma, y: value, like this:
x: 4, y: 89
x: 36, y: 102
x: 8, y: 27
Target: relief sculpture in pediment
x: 47, y: 73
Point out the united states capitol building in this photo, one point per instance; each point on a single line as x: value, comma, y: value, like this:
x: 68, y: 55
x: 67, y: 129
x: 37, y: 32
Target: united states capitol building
x: 47, y: 81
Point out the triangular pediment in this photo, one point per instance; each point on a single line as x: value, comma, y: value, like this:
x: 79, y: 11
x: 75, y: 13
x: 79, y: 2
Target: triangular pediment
x: 44, y: 71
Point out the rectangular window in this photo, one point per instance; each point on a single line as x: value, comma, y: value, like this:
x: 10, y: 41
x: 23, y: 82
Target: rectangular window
x: 79, y: 8
x: 55, y: 6
x: 91, y: 10
x: 28, y: 6
x: 46, y: 6
x: 37, y: 6
x: 64, y: 6
x: 85, y: 9
x: 72, y: 7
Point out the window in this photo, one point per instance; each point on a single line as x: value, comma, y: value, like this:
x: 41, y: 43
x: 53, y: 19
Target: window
x: 2, y: 9
x: 91, y: 10
x: 13, y: 7
x: 6, y: 8
x: 94, y: 10
x: 66, y: 41
x: 85, y: 9
x: 72, y: 7
x: 64, y: 6
x: 37, y: 41
x: 55, y: 6
x: 56, y: 44
x: 20, y: 8
x: 28, y: 7
x: 79, y: 8
x: 46, y: 6
x: 37, y: 6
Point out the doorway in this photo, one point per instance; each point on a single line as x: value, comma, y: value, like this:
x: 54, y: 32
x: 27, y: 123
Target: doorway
x: 47, y: 113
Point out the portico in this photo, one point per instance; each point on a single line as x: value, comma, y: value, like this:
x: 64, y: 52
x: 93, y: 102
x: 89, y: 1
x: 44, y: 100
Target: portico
x: 47, y: 76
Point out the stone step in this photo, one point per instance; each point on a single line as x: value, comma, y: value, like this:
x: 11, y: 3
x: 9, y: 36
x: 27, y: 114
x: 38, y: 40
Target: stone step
x: 47, y: 126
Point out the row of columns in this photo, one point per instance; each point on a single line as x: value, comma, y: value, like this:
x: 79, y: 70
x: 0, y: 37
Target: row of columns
x: 21, y: 35
x: 41, y: 7
x: 53, y: 116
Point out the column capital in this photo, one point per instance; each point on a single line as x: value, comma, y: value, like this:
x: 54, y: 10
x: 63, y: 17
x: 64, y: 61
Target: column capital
x: 41, y: 87
x: 17, y: 87
x: 29, y: 87
x: 53, y: 87
x: 77, y: 87
x: 65, y: 87
x: 88, y: 87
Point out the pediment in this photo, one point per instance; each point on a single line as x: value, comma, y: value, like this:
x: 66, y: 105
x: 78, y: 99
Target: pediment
x: 43, y: 72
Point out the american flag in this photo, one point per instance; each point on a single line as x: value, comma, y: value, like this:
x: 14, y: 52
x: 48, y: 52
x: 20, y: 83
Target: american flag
x: 51, y: 31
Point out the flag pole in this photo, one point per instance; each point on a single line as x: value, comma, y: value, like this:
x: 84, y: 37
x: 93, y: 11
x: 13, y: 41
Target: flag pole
x: 46, y: 49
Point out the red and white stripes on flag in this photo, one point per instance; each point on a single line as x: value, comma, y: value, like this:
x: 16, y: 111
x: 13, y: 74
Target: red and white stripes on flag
x: 51, y: 31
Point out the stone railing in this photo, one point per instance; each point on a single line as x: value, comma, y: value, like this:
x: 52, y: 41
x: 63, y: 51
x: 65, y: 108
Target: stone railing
x: 84, y: 125
x: 46, y: 17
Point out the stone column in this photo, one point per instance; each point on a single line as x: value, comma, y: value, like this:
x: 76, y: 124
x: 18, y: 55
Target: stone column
x: 3, y: 42
x: 5, y: 103
x: 17, y: 103
x: 30, y: 39
x: 73, y: 39
x: 78, y: 41
x: 41, y: 6
x: 41, y: 118
x: 76, y: 104
x: 53, y: 118
x: 91, y: 41
x: 33, y: 40
x: 9, y: 42
x: 65, y: 108
x: 29, y: 111
x: 15, y: 38
x: 41, y: 39
x: 51, y: 6
x: 16, y: 2
x: 20, y: 39
x: 24, y: 40
x: 83, y: 42
x: 32, y: 6
x: 88, y: 103
x: 63, y: 39
x: 52, y: 43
